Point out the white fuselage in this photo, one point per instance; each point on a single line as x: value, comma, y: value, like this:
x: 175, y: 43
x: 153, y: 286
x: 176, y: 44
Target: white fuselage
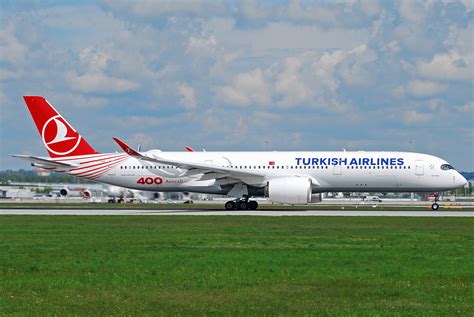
x: 328, y: 171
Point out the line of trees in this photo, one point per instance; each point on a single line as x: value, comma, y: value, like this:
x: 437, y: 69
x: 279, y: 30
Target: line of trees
x: 28, y: 176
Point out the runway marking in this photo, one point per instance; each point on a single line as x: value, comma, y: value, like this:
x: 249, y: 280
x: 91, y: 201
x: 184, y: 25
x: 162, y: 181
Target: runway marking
x: 268, y: 213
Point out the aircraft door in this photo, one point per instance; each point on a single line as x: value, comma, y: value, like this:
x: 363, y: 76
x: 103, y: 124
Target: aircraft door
x: 337, y: 170
x: 419, y: 168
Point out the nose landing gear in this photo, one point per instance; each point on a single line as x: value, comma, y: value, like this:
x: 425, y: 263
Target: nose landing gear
x: 435, y: 205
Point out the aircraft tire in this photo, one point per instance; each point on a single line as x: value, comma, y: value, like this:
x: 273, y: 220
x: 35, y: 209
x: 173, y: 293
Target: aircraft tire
x: 242, y: 205
x: 230, y: 205
x: 252, y: 205
x: 435, y: 206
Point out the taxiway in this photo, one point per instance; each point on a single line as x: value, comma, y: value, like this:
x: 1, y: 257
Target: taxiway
x: 269, y: 213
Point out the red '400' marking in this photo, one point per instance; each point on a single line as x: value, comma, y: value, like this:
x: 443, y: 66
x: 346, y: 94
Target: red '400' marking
x: 150, y: 180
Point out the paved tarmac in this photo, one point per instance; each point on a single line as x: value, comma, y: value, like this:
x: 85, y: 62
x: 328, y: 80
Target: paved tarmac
x: 270, y: 213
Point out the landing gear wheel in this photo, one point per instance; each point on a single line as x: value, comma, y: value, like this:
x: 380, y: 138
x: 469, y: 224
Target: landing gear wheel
x: 230, y: 205
x: 435, y: 206
x: 252, y: 205
x: 242, y: 205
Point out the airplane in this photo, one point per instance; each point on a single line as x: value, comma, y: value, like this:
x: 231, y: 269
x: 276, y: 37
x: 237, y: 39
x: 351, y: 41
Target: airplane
x: 282, y: 177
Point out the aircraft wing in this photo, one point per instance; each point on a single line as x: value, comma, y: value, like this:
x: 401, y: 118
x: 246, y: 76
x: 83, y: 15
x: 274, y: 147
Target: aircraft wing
x: 44, y: 162
x: 210, y: 171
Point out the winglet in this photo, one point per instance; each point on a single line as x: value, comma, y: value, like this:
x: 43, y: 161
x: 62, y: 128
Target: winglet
x: 127, y: 149
x: 188, y: 149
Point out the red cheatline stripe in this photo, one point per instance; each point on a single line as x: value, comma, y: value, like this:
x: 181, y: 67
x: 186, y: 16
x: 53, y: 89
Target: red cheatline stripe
x: 103, y: 164
x: 104, y: 158
x: 89, y: 174
x: 97, y: 174
x: 81, y: 157
x: 101, y: 172
x: 92, y: 165
x: 99, y: 169
x: 84, y: 173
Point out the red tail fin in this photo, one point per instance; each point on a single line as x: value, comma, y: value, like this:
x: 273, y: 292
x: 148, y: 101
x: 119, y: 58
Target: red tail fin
x: 59, y: 137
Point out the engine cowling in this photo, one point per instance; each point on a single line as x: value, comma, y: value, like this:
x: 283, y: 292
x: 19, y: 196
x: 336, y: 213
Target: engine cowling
x: 289, y: 190
x: 74, y: 192
x: 64, y: 192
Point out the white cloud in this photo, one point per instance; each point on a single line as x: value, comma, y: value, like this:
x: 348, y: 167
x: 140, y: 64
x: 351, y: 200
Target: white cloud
x: 79, y: 101
x: 415, y: 117
x: 93, y: 59
x: 321, y: 14
x: 145, y: 141
x: 469, y: 4
x: 324, y: 69
x: 201, y: 45
x: 452, y: 65
x: 94, y: 79
x: 245, y: 89
x: 12, y: 50
x: 349, y: 57
x: 7, y: 74
x: 3, y: 99
x: 98, y: 82
x: 370, y: 7
x: 423, y: 88
x: 251, y: 10
x: 157, y: 8
x: 412, y: 10
x: 188, y: 99
x: 354, y: 68
x: 290, y: 85
x: 285, y: 35
x: 467, y: 108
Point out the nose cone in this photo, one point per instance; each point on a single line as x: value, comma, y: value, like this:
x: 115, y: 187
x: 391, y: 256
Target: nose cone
x: 461, y: 181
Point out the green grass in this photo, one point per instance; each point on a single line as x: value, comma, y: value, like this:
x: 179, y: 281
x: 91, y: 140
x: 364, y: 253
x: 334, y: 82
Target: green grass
x: 185, y: 265
x: 220, y: 206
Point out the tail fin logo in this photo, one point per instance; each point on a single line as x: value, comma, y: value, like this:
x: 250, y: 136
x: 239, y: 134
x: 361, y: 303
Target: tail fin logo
x: 59, y: 137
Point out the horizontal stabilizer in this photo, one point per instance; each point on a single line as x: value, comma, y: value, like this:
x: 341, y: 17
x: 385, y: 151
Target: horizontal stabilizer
x: 44, y: 162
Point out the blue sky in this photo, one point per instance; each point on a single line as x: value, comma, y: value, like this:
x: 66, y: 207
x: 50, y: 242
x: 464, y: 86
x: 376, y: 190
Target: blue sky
x: 243, y: 75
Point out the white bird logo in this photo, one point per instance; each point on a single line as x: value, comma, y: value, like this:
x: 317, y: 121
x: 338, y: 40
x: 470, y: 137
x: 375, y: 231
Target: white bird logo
x: 61, y: 133
x: 62, y: 130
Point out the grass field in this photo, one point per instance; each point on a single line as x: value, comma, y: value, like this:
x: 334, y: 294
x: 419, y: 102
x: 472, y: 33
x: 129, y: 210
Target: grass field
x: 220, y: 206
x: 184, y: 265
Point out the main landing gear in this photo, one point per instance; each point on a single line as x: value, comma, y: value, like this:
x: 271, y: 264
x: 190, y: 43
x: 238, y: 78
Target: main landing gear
x: 241, y: 204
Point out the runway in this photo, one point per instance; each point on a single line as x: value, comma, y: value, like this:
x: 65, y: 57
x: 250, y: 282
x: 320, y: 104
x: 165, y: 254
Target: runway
x: 268, y: 213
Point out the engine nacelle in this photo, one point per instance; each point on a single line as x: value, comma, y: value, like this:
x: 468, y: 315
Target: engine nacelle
x: 289, y: 190
x: 86, y: 193
x: 64, y: 192
x: 68, y: 192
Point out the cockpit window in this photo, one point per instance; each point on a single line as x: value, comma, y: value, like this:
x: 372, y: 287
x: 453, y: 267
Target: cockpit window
x: 446, y: 167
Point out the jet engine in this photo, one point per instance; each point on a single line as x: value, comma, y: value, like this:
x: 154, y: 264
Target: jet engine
x: 289, y: 190
x: 67, y: 192
x: 86, y: 193
x: 64, y: 192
